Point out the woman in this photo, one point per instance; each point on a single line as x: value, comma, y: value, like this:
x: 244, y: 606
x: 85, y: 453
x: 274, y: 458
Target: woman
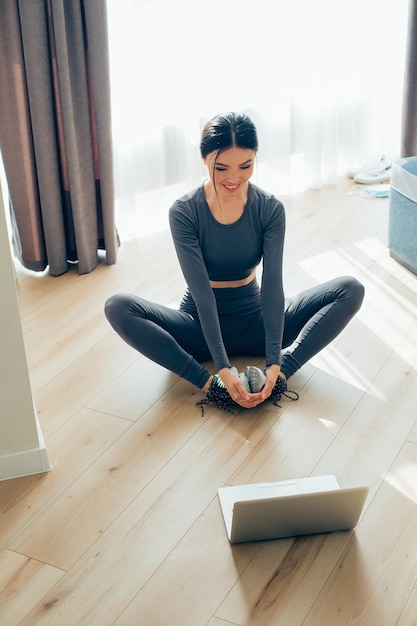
x: 222, y: 231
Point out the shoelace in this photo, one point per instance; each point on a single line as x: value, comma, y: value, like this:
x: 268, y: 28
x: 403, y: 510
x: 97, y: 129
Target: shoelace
x: 291, y: 395
x: 280, y: 389
x: 220, y: 403
x: 218, y: 394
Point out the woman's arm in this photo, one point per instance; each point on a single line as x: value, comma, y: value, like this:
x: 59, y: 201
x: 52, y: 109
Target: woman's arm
x: 272, y: 292
x: 185, y: 237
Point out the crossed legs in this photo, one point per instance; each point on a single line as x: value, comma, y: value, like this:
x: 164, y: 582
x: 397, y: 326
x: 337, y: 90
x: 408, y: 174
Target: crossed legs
x: 174, y: 339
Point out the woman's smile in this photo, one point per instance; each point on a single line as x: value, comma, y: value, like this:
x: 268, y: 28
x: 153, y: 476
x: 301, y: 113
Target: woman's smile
x: 231, y: 188
x: 230, y: 170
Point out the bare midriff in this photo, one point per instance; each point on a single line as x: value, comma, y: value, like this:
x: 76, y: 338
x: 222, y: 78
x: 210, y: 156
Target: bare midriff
x: 220, y: 284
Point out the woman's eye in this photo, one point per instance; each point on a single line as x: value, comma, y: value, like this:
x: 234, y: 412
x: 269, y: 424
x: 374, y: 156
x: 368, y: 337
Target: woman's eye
x: 245, y: 167
x: 220, y: 169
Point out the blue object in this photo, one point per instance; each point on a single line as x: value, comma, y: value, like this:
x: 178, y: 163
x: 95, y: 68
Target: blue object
x: 402, y: 219
x: 380, y: 191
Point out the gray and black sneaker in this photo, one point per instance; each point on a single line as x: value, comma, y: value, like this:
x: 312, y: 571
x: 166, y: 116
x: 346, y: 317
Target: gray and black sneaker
x: 281, y: 389
x: 245, y: 382
x: 257, y: 379
x: 218, y: 394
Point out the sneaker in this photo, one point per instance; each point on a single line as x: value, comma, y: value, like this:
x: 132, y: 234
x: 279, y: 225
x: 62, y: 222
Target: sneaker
x: 365, y: 167
x: 281, y: 389
x: 379, y: 175
x: 245, y: 381
x: 218, y: 394
x: 256, y: 378
x: 242, y: 377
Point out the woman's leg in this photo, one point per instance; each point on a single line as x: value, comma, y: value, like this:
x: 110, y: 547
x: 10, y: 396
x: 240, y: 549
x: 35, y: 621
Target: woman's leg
x: 171, y: 338
x: 316, y: 316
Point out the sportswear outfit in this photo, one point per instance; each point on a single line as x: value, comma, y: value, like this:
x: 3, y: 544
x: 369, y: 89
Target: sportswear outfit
x: 253, y: 320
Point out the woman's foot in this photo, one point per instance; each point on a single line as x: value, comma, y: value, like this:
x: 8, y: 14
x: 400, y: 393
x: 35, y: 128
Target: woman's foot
x: 256, y: 378
x: 218, y: 394
x: 281, y: 389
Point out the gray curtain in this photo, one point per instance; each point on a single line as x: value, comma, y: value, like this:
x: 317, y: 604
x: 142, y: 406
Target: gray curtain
x: 55, y: 132
x: 409, y: 114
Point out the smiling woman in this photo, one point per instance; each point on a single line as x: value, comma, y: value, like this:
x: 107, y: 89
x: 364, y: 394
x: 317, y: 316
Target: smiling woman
x: 222, y: 231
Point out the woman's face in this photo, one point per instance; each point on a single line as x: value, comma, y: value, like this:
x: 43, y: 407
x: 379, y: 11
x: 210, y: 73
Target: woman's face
x: 230, y: 170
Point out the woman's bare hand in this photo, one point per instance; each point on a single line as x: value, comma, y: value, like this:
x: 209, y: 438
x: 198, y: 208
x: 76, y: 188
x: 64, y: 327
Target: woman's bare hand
x: 237, y: 391
x: 272, y: 374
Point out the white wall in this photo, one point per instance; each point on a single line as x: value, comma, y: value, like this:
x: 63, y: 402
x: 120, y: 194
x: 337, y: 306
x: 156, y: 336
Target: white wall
x: 22, y: 449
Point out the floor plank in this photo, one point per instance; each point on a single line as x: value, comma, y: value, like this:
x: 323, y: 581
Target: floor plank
x: 409, y: 615
x: 362, y: 588
x: 19, y: 573
x: 72, y: 450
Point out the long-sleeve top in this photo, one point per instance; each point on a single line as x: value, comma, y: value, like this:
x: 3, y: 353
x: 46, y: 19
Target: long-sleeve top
x: 208, y: 250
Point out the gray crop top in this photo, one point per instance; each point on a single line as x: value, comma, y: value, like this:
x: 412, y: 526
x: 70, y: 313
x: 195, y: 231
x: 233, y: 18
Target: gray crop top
x: 208, y: 250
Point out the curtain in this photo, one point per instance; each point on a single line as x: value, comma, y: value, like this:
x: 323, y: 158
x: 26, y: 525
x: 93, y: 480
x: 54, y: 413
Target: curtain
x: 55, y: 132
x: 322, y: 81
x: 409, y: 118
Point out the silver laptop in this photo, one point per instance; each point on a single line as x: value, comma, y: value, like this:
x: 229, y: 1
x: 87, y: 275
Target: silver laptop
x: 289, y: 508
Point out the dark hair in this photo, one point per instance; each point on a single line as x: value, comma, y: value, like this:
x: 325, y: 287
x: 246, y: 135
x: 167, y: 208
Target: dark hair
x: 227, y: 130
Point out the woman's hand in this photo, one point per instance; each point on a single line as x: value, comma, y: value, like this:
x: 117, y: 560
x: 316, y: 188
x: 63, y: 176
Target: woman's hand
x: 237, y: 391
x: 272, y: 374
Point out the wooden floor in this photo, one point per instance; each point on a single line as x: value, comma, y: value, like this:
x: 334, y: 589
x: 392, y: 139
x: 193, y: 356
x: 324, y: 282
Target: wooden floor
x: 126, y: 529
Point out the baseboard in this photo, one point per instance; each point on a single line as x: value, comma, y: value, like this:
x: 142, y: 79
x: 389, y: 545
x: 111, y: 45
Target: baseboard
x: 25, y: 462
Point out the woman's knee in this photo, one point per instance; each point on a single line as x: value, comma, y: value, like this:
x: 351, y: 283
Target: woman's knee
x: 354, y: 290
x: 116, y: 307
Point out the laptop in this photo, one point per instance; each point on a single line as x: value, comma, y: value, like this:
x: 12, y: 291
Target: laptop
x: 289, y: 508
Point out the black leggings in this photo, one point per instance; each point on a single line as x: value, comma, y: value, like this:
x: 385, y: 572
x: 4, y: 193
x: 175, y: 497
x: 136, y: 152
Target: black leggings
x: 174, y: 339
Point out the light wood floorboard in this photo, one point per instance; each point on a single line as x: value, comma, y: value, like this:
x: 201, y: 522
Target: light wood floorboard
x: 126, y: 529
